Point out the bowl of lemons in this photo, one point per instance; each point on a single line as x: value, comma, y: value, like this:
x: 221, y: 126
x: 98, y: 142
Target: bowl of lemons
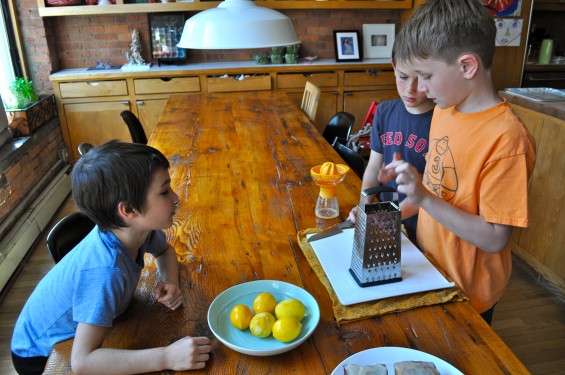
x: 263, y: 317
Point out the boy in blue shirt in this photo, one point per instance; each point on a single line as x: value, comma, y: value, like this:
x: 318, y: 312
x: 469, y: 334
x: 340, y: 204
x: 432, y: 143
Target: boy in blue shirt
x: 401, y: 127
x: 125, y: 189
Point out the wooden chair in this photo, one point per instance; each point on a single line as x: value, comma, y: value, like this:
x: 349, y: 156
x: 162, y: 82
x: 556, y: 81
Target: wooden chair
x: 310, y: 100
x: 339, y: 126
x: 84, y: 147
x: 67, y: 233
x: 353, y: 159
x: 135, y: 128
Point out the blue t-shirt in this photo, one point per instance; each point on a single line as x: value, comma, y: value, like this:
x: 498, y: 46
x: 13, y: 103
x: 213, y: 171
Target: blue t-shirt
x: 397, y: 130
x: 93, y: 284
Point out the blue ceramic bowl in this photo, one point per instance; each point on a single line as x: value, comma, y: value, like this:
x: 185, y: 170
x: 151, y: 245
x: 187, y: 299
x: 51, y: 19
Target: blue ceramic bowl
x: 243, y: 341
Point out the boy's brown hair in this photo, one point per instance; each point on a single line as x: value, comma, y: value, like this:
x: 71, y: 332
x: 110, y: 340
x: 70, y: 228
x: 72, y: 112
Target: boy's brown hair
x: 445, y: 29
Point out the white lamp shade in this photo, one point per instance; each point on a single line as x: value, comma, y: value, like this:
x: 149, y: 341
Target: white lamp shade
x: 237, y: 24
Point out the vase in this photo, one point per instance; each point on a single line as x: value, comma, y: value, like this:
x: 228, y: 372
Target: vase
x: 277, y: 59
x: 25, y: 121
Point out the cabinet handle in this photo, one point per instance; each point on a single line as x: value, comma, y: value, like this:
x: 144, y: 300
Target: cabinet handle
x: 139, y: 102
x: 166, y: 79
x: 348, y: 93
x: 92, y: 83
x: 126, y: 102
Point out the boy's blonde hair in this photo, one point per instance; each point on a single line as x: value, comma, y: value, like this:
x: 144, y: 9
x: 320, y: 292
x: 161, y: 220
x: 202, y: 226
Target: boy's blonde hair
x: 445, y: 29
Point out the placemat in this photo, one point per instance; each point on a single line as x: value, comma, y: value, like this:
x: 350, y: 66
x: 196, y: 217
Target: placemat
x: 345, y: 314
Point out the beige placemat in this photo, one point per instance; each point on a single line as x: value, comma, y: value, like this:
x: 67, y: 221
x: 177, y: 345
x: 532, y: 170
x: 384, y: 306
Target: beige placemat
x: 344, y: 314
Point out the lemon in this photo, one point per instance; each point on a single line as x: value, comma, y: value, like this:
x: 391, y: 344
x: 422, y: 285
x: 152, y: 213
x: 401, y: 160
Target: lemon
x: 264, y: 302
x: 240, y: 316
x: 290, y: 307
x: 287, y: 329
x: 261, y: 325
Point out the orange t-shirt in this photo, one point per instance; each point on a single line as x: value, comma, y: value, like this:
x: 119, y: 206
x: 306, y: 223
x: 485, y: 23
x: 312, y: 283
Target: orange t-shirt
x: 480, y: 163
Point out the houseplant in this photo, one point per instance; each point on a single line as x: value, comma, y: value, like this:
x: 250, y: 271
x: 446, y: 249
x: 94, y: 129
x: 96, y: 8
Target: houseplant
x: 26, y: 111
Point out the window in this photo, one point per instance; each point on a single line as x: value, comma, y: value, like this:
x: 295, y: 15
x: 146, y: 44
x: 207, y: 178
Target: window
x: 10, y: 63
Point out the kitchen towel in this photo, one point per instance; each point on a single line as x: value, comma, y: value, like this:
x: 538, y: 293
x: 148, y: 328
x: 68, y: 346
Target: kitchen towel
x: 344, y: 314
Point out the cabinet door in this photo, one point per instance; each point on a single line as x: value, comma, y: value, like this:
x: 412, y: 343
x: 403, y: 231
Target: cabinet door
x: 327, y: 107
x: 358, y: 102
x: 148, y: 112
x: 95, y: 123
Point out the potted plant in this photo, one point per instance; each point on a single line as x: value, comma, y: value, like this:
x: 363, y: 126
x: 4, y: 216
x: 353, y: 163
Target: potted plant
x: 26, y: 111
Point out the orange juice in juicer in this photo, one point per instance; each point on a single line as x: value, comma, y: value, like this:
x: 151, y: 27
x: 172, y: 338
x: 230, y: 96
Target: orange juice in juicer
x: 327, y: 176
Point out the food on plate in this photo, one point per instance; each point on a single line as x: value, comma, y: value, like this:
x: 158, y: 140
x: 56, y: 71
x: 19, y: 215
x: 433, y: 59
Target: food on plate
x: 261, y: 324
x: 240, y: 316
x: 290, y: 307
x: 286, y: 329
x: 376, y: 369
x: 264, y: 302
x: 415, y: 368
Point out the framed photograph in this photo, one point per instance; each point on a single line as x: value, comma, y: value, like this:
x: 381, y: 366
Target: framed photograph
x: 166, y: 29
x: 378, y: 40
x: 346, y: 45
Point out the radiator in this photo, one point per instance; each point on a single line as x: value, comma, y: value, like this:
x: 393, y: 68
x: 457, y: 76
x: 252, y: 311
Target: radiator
x: 21, y: 238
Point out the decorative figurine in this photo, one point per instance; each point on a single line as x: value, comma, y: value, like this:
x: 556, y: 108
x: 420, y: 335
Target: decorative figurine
x: 135, y: 61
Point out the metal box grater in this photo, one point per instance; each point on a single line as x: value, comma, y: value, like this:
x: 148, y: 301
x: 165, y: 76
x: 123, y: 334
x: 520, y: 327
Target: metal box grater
x: 376, y: 243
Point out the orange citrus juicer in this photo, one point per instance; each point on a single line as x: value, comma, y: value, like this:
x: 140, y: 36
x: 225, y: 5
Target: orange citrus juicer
x: 327, y: 176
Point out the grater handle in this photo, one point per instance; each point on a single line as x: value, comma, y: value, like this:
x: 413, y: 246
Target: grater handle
x: 371, y: 192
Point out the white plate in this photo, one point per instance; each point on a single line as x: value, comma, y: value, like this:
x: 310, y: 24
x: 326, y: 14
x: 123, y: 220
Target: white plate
x: 243, y: 341
x: 390, y: 355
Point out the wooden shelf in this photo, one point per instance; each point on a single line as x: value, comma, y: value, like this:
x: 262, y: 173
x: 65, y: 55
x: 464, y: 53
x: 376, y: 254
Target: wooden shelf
x: 197, y: 5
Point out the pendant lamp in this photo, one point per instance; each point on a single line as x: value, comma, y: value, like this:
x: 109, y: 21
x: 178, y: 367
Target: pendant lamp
x: 237, y: 24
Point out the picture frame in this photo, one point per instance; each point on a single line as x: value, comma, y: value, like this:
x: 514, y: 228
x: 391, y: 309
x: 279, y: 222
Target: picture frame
x: 378, y: 40
x: 346, y: 45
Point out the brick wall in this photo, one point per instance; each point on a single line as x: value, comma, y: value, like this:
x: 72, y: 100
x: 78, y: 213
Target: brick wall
x: 25, y: 173
x: 82, y: 41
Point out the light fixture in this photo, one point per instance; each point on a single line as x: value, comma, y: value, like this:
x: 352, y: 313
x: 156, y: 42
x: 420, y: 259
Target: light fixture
x: 237, y: 24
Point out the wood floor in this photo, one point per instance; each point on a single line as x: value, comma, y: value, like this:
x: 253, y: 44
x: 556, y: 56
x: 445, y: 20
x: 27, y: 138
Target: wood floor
x: 530, y: 318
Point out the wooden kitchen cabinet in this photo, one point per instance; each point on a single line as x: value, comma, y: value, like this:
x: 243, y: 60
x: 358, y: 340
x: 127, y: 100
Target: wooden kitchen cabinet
x: 95, y: 122
x: 130, y: 7
x: 541, y: 244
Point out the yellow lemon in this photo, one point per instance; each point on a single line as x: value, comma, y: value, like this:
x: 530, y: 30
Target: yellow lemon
x: 240, y: 316
x: 264, y: 302
x: 286, y: 329
x: 261, y: 325
x: 290, y: 307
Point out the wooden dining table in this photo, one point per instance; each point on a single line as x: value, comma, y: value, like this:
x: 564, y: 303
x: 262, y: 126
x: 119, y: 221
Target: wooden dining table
x: 240, y: 163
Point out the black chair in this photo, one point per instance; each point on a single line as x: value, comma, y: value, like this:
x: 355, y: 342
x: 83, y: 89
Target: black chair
x: 339, y: 126
x: 353, y: 159
x: 135, y: 128
x: 67, y: 233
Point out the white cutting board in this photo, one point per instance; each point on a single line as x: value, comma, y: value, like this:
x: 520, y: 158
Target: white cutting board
x: 418, y: 274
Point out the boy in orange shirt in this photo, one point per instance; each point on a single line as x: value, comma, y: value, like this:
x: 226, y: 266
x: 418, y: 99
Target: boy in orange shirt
x: 474, y: 187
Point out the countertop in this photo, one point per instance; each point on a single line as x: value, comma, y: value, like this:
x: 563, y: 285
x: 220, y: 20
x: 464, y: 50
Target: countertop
x: 555, y: 109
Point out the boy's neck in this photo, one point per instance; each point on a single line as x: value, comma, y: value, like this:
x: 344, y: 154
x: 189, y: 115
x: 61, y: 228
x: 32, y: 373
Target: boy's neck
x: 131, y: 239
x: 481, y: 96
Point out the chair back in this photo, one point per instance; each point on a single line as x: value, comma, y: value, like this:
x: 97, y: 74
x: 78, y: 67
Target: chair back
x: 67, y: 233
x: 353, y: 159
x: 339, y: 126
x: 84, y: 147
x: 135, y: 128
x: 310, y: 100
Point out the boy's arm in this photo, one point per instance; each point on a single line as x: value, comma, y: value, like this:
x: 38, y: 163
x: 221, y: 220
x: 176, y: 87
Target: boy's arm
x: 168, y: 292
x: 489, y: 237
x: 88, y: 357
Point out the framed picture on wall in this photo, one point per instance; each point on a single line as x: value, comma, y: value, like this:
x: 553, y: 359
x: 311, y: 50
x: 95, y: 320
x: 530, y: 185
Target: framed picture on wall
x: 378, y: 40
x: 346, y: 45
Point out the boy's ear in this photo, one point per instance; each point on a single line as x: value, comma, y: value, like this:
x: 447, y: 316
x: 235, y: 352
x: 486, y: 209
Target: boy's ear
x: 469, y: 63
x: 126, y: 211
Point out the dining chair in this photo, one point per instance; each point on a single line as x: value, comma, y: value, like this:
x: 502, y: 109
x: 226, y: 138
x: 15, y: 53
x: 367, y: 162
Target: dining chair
x: 353, y: 159
x: 67, y: 233
x: 339, y: 126
x: 310, y: 100
x: 135, y: 128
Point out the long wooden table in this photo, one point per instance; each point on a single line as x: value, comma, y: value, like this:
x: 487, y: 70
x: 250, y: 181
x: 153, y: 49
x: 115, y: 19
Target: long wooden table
x: 240, y: 163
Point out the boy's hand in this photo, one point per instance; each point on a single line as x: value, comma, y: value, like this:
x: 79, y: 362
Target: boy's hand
x: 386, y: 175
x: 169, y: 295
x: 408, y: 179
x: 188, y: 353
x: 352, y: 214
